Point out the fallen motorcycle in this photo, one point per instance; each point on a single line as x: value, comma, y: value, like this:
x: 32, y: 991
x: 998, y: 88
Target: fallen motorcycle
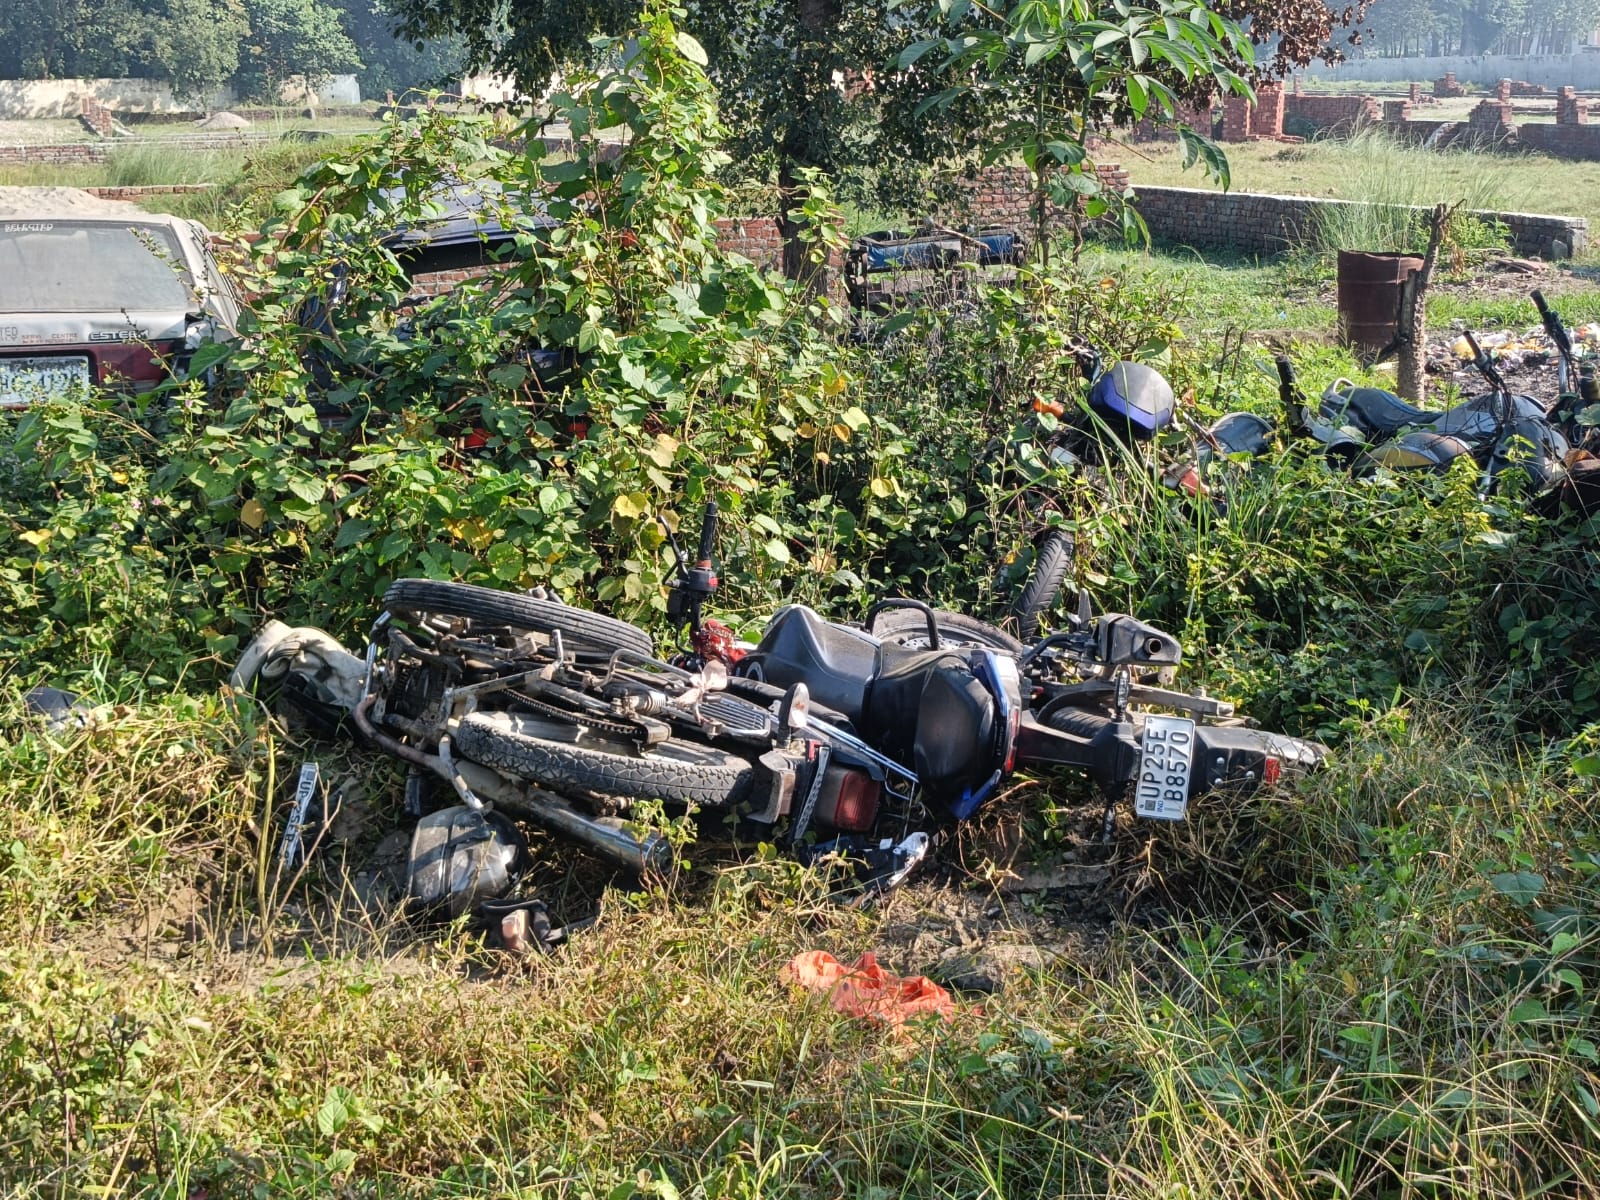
x: 1365, y: 428
x: 828, y: 738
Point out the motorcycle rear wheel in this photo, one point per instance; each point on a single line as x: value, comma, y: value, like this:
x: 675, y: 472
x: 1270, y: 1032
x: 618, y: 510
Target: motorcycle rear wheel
x: 908, y: 627
x: 551, y: 754
x: 576, y: 625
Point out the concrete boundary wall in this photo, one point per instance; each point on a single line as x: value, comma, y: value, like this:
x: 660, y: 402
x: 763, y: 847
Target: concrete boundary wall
x: 23, y: 99
x: 1254, y: 223
x: 1581, y: 70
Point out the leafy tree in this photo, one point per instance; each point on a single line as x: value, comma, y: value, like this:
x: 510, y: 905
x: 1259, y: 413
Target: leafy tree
x: 289, y: 39
x: 804, y: 83
x: 1047, y: 75
x: 194, y: 46
x: 395, y: 64
x: 49, y: 39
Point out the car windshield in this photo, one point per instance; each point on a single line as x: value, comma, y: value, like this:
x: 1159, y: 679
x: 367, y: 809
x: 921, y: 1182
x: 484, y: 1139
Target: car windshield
x: 81, y: 266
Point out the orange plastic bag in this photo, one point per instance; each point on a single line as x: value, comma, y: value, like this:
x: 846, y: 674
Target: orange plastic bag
x: 864, y: 989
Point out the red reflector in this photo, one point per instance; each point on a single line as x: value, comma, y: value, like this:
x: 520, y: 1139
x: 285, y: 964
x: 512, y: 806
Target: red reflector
x: 1271, y: 771
x: 858, y: 803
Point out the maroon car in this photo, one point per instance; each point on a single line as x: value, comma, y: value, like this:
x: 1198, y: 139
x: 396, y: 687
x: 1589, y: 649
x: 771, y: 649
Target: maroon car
x: 118, y: 301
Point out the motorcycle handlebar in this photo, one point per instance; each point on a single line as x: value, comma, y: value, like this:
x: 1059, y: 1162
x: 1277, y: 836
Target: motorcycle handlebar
x: 1285, y: 371
x: 1552, y: 325
x: 708, y: 532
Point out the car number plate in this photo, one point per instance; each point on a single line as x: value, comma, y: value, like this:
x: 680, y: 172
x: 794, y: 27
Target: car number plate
x: 23, y: 381
x: 1166, y: 761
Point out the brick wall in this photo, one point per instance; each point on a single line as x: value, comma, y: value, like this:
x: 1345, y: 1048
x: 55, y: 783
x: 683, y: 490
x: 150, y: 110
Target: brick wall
x: 139, y: 193
x: 96, y: 152
x: 1341, y: 113
x: 1251, y: 223
x: 1580, y: 142
x: 70, y: 154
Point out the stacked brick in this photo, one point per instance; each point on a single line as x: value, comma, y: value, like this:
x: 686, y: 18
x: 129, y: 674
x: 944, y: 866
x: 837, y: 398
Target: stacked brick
x: 1491, y: 123
x: 68, y: 154
x: 140, y: 192
x: 1569, y: 109
x: 96, y: 117
x: 1447, y: 88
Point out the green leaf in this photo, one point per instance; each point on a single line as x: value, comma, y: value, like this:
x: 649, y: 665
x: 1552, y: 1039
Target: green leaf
x: 855, y: 418
x: 916, y: 50
x: 1037, y: 52
x: 713, y: 299
x: 632, y: 373
x: 351, y: 532
x: 308, y: 489
x: 690, y: 49
x: 334, y: 1114
x: 1530, y: 1012
x: 509, y: 375
x: 208, y: 356
x: 777, y: 551
x: 1520, y: 887
x: 1138, y: 95
x: 1586, y: 766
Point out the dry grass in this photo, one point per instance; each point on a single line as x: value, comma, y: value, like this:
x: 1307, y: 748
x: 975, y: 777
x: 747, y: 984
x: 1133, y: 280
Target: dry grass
x: 1356, y: 1023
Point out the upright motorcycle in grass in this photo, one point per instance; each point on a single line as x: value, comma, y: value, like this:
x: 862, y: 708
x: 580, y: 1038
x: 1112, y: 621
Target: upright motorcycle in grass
x: 1125, y: 405
x: 827, y: 738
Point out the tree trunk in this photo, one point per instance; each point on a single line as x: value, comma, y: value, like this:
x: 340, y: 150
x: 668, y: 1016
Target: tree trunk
x: 796, y: 258
x: 1411, y: 379
x: 819, y: 17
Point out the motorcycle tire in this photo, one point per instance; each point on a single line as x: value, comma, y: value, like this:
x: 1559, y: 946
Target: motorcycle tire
x: 546, y: 753
x: 577, y: 625
x: 908, y: 627
x: 1051, y: 562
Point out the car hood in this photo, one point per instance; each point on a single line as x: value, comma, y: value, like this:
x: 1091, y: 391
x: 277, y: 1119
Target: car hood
x: 43, y: 330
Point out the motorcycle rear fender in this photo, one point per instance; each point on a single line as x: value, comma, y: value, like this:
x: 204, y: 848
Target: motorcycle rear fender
x: 1232, y: 757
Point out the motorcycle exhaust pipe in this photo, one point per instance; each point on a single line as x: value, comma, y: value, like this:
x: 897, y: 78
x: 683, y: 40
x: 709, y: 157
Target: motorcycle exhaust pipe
x: 651, y: 854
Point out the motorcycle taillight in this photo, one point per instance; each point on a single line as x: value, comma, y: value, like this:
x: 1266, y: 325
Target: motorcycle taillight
x: 849, y: 800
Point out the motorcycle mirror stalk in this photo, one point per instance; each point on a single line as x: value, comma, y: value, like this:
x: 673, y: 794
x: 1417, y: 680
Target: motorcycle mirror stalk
x: 694, y: 584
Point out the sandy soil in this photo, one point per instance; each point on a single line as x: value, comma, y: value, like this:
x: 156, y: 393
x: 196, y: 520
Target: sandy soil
x: 56, y: 202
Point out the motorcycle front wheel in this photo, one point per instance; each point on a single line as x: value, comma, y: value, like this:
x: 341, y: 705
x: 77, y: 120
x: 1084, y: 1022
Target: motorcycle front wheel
x: 1051, y: 562
x: 576, y: 625
x: 565, y: 759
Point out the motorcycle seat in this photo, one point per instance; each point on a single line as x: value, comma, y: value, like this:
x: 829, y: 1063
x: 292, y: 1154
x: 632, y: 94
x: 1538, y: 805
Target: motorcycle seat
x: 928, y: 708
x: 1380, y: 414
x: 836, y: 664
x: 925, y: 708
x: 1377, y: 411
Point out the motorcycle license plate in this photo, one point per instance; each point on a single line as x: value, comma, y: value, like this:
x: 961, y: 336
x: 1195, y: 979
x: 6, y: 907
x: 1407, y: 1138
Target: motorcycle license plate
x: 25, y: 380
x: 1166, y: 761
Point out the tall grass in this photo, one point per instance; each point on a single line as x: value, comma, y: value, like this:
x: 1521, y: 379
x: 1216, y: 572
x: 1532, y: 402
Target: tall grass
x: 150, y: 163
x: 1396, y: 1003
x: 1395, y: 185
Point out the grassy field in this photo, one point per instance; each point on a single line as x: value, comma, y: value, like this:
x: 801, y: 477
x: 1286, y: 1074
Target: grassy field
x: 1355, y: 989
x: 239, y: 176
x: 1380, y: 982
x: 1372, y: 168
